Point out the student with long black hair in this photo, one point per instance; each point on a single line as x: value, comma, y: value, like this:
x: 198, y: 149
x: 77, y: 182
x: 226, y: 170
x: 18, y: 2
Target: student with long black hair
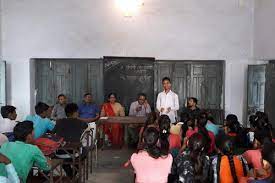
x: 233, y: 129
x: 151, y: 121
x: 228, y: 168
x: 253, y: 156
x: 153, y: 163
x: 200, y: 127
x: 208, y: 135
x: 194, y: 166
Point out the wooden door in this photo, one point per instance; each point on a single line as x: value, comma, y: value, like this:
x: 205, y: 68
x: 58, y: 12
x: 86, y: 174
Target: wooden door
x: 2, y: 83
x: 270, y: 91
x: 95, y: 80
x: 71, y: 77
x: 206, y: 84
x: 197, y: 87
x: 79, y: 79
x: 44, y: 81
x: 63, y: 80
x: 255, y: 88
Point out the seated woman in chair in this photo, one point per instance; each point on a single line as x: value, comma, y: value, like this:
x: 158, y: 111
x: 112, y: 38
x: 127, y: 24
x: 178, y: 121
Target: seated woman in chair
x: 114, y: 131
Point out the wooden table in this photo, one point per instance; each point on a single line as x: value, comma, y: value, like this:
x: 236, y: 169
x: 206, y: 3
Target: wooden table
x: 123, y: 120
x: 126, y: 121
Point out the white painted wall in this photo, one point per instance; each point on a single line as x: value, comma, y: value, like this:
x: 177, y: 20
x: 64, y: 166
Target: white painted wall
x: 264, y: 44
x: 175, y: 29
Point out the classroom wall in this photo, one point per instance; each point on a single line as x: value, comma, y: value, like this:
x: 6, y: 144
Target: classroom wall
x: 176, y: 30
x: 264, y: 30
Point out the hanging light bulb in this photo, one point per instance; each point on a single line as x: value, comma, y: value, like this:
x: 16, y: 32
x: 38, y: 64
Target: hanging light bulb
x: 129, y: 7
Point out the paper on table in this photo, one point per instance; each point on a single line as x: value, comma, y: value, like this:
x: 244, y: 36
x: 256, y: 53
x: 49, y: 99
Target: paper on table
x: 103, y: 118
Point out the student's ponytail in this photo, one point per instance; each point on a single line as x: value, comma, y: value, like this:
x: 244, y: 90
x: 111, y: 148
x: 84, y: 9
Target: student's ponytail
x: 202, y: 121
x: 164, y: 132
x: 226, y: 147
x: 197, y: 146
x: 232, y: 168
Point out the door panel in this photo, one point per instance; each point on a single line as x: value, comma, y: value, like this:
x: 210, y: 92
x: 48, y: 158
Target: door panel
x: 255, y: 88
x: 198, y: 84
x: 2, y: 83
x: 79, y: 78
x: 180, y: 82
x: 62, y: 79
x: 44, y: 82
x: 95, y: 80
x: 269, y: 92
x: 163, y: 70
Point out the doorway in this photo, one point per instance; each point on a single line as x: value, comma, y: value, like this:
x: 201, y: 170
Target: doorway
x: 261, y: 89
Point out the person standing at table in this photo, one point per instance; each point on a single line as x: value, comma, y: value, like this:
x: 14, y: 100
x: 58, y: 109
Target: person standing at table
x: 114, y: 131
x: 139, y: 108
x: 58, y: 111
x: 168, y: 101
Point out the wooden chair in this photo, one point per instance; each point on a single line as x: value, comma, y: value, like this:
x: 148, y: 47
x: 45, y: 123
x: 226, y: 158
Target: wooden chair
x: 56, y: 167
x: 90, y: 144
x: 77, y: 160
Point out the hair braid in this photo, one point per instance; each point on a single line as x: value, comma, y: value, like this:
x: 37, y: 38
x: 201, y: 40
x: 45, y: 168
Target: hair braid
x: 232, y: 168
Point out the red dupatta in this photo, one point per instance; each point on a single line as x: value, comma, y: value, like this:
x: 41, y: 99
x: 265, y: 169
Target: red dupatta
x: 114, y: 131
x: 109, y: 111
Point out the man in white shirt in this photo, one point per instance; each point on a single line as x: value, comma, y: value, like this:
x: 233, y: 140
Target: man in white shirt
x: 8, y: 122
x: 139, y: 108
x: 168, y: 101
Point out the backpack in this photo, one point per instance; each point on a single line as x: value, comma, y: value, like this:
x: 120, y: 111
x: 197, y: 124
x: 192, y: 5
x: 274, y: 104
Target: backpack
x: 48, y: 144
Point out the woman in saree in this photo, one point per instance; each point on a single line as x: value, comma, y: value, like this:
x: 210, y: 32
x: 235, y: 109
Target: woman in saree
x: 114, y: 131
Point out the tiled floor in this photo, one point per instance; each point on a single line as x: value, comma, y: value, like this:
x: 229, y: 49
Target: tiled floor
x: 110, y: 167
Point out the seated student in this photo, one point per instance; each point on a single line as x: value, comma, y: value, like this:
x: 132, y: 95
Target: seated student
x: 40, y: 121
x: 253, y: 127
x: 201, y: 129
x: 268, y: 154
x: 211, y: 126
x: 233, y: 129
x: 8, y: 122
x: 194, y: 165
x: 254, y: 156
x: 262, y: 122
x: 70, y: 128
x: 173, y: 139
x: 153, y: 163
x: 12, y: 176
x: 21, y: 153
x: 151, y: 121
x: 228, y: 168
